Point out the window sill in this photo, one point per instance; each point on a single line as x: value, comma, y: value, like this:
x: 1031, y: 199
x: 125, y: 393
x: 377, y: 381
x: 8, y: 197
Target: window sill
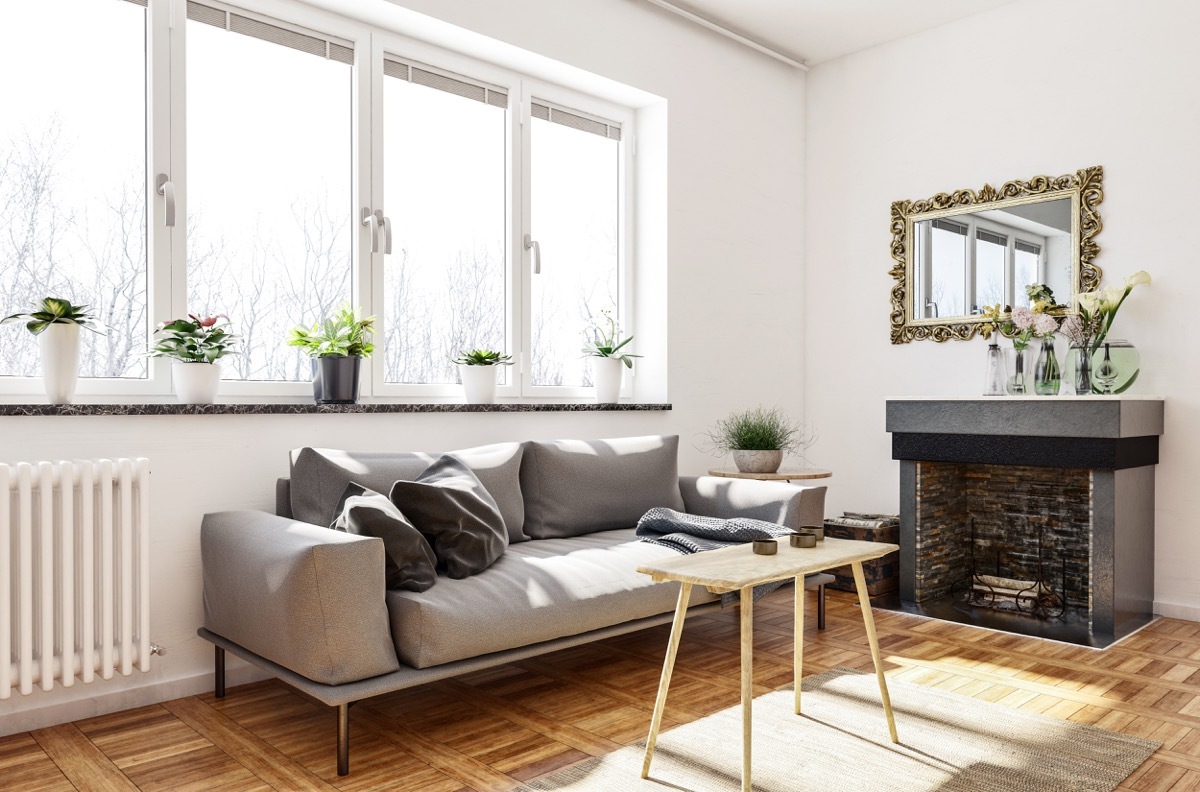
x: 31, y: 410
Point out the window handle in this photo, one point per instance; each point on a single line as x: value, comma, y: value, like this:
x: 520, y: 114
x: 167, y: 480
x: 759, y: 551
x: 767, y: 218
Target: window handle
x: 371, y: 222
x: 385, y: 224
x: 533, y: 244
x: 166, y: 188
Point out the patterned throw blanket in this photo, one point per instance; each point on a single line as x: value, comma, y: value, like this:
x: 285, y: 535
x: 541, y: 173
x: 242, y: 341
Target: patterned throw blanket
x: 691, y: 533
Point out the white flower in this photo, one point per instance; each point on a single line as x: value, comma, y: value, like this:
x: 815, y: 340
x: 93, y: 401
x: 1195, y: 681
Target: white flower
x: 1137, y: 279
x: 1112, y: 297
x: 1044, y: 325
x: 1089, y: 301
x: 1022, y: 317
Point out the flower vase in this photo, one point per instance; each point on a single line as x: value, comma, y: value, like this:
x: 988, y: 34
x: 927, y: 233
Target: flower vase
x: 1018, y: 383
x: 195, y: 382
x: 607, y: 373
x: 1115, y: 366
x: 59, y: 344
x: 479, y: 383
x: 1047, y: 376
x: 994, y: 384
x: 1081, y: 377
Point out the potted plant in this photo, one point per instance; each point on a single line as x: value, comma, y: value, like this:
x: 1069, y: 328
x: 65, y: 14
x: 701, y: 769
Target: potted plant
x: 477, y: 369
x: 337, y: 347
x: 56, y: 322
x: 195, y: 344
x: 604, y: 346
x: 758, y: 438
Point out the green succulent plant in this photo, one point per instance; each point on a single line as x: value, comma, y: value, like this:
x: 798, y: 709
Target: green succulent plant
x: 53, y: 310
x: 483, y: 357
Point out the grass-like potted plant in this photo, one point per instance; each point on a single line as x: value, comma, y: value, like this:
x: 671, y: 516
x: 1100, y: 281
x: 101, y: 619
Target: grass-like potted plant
x: 337, y: 347
x: 758, y: 438
x: 195, y: 344
x: 477, y: 369
x: 56, y: 322
x: 604, y: 346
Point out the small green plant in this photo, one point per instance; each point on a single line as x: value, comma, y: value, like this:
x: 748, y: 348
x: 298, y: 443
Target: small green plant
x: 342, y: 335
x: 53, y: 310
x: 483, y: 357
x: 757, y: 429
x: 603, y: 340
x: 195, y: 339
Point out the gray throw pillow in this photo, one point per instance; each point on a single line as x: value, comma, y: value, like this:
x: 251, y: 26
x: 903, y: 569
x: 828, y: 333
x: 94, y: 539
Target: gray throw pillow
x: 320, y: 475
x: 410, y: 562
x: 448, y: 504
x: 575, y: 487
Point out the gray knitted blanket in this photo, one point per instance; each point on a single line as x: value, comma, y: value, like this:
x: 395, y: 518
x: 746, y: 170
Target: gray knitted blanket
x: 692, y: 533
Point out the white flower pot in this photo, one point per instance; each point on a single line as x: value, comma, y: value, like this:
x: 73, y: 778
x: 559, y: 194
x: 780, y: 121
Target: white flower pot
x: 606, y: 373
x: 757, y: 461
x: 479, y: 383
x: 60, y: 361
x: 196, y: 383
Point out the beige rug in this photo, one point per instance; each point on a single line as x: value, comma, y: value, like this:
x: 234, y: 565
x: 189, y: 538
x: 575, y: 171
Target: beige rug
x: 949, y: 743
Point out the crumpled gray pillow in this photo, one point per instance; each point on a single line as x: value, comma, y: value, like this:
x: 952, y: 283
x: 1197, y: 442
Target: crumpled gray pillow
x: 410, y: 561
x: 451, y: 507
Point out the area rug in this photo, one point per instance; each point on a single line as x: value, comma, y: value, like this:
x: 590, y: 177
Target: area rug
x: 949, y: 743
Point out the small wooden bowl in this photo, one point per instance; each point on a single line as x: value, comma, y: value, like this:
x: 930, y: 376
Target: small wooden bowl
x: 765, y: 547
x: 803, y: 539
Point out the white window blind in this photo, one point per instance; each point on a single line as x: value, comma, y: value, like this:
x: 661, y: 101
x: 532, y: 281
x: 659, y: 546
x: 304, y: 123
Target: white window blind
x: 458, y: 85
x: 576, y: 120
x: 988, y: 236
x: 274, y: 31
x: 1028, y: 247
x: 951, y: 226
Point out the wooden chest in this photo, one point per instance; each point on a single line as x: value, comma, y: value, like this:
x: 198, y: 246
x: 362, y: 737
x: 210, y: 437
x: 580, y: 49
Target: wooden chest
x: 882, y: 574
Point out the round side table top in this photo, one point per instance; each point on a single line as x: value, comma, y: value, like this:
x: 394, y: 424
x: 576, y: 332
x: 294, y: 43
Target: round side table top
x: 794, y: 474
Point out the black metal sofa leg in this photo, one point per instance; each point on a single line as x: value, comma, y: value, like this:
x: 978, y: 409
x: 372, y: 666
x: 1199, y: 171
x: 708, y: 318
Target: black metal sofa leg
x: 821, y: 607
x: 343, y: 739
x: 219, y: 672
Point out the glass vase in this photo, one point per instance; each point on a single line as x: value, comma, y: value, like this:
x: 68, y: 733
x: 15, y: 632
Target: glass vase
x: 1047, y: 376
x: 1115, y: 366
x: 1077, y: 373
x: 1018, y: 382
x: 994, y: 384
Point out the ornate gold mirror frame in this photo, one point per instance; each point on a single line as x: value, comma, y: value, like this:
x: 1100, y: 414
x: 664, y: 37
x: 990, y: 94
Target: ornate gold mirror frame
x: 1084, y: 188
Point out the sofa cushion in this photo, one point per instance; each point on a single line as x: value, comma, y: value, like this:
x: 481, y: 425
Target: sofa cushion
x: 410, y: 562
x: 319, y: 477
x: 536, y: 592
x: 448, y: 504
x: 575, y: 487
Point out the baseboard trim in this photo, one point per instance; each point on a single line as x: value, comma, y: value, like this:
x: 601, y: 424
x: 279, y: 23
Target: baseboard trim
x: 123, y: 699
x: 1177, y: 610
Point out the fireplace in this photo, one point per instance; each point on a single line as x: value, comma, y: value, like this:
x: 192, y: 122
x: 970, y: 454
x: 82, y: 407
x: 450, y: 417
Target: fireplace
x: 1030, y: 515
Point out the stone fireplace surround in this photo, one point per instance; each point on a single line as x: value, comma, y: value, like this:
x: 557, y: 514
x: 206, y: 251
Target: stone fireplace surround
x: 1082, y: 469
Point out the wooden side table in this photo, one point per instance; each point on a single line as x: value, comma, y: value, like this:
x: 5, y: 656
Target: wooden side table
x: 739, y: 569
x: 794, y: 474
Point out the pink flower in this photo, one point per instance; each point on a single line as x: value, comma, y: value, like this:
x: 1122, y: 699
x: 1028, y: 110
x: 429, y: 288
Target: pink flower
x: 1044, y: 325
x: 1022, y: 318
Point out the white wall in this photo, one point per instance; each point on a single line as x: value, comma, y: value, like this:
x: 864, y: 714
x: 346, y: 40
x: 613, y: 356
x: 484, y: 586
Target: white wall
x: 734, y: 196
x: 1100, y: 82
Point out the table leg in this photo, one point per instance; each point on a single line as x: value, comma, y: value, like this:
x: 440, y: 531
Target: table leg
x: 685, y: 593
x: 864, y: 601
x: 747, y: 606
x: 798, y: 640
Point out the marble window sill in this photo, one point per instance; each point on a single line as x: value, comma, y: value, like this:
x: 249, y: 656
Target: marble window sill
x: 30, y: 410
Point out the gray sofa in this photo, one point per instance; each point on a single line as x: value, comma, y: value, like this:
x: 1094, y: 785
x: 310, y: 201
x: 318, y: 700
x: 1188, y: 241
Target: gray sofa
x: 309, y: 605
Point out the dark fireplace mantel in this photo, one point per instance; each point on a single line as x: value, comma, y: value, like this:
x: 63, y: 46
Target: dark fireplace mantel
x: 1111, y: 441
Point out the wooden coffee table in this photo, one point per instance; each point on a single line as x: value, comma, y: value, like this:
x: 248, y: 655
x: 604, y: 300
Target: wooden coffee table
x: 739, y: 569
x: 784, y: 474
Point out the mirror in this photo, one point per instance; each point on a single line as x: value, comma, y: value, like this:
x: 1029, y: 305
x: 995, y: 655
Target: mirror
x: 957, y: 253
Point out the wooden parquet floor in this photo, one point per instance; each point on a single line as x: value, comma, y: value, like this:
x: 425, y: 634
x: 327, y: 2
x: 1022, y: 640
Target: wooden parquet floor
x: 490, y: 730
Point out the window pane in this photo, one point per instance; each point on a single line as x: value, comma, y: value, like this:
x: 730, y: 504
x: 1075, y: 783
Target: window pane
x: 990, y: 251
x: 444, y: 184
x: 269, y: 192
x: 575, y: 197
x: 1025, y: 268
x: 73, y: 176
x: 947, y: 283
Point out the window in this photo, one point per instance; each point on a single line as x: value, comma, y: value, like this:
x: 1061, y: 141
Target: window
x: 576, y: 219
x: 269, y: 161
x: 990, y: 256
x: 73, y: 177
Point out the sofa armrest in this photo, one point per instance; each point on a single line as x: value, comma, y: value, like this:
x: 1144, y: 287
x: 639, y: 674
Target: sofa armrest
x: 305, y: 597
x: 773, y: 501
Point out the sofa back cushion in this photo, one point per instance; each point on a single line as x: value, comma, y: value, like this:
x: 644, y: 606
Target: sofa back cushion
x: 319, y: 477
x: 575, y: 487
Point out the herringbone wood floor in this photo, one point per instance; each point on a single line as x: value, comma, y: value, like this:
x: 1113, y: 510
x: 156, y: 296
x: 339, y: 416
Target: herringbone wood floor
x: 490, y: 730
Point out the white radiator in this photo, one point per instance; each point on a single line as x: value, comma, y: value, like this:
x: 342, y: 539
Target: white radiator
x: 74, y: 571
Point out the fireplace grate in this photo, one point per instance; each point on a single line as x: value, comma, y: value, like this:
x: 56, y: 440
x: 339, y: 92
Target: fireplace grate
x: 1036, y: 598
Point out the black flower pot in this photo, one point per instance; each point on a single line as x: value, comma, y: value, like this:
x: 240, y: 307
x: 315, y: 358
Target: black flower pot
x: 335, y: 379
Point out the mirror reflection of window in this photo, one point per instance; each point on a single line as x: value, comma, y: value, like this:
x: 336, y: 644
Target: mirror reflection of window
x: 990, y: 250
x: 1027, y: 259
x: 947, y: 282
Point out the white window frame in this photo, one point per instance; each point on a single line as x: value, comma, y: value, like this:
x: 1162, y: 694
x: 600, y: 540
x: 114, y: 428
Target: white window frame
x: 166, y: 132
